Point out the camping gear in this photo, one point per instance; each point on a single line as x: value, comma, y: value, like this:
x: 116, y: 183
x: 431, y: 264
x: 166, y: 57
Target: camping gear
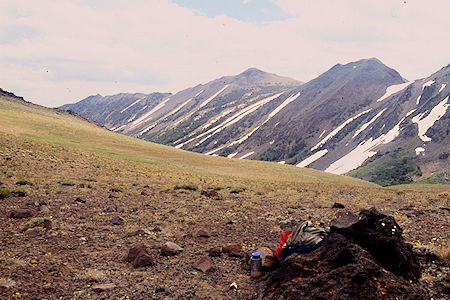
x: 255, y: 265
x: 304, y: 239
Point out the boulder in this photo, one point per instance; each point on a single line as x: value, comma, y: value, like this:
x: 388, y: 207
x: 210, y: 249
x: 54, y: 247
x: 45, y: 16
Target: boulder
x: 268, y: 259
x: 139, y: 256
x: 20, y: 213
x: 170, y: 249
x: 204, y: 264
x: 361, y: 258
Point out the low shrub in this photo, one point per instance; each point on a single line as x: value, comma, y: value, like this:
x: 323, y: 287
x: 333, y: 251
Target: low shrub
x: 66, y: 183
x: 116, y: 189
x: 189, y: 187
x: 237, y: 190
x: 24, y: 182
x: 34, y: 222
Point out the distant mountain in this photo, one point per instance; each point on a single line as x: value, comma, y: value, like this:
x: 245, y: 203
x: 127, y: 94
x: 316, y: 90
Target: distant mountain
x: 356, y: 114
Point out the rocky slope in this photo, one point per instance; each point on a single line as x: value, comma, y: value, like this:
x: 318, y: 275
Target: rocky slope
x: 335, y: 122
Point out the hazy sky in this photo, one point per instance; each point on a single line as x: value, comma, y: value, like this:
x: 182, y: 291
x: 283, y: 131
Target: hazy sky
x: 56, y: 52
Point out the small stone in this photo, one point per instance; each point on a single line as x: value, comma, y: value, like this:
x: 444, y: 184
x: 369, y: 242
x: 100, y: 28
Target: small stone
x: 47, y: 224
x: 201, y: 233
x: 135, y: 251
x: 170, y: 249
x: 33, y: 232
x: 234, y: 286
x: 103, y: 287
x: 338, y: 205
x: 144, y: 193
x: 139, y: 256
x: 210, y: 193
x: 160, y: 290
x: 214, y: 252
x: 44, y: 209
x: 80, y: 200
x: 268, y: 259
x: 204, y: 264
x: 232, y: 248
x: 7, y: 283
x: 117, y: 221
x: 20, y: 213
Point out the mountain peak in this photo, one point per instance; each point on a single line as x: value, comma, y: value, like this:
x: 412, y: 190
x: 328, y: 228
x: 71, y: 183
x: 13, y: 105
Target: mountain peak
x: 252, y: 71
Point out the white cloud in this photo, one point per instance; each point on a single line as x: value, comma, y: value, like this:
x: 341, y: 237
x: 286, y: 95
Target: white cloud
x: 145, y: 46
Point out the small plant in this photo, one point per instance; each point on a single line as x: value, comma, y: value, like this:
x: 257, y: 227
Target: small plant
x: 24, y: 182
x: 34, y: 222
x: 217, y: 188
x: 19, y: 193
x: 400, y: 193
x: 4, y: 192
x: 237, y: 190
x: 66, y: 183
x: 189, y: 187
x: 116, y: 189
x: 259, y: 193
x: 90, y: 179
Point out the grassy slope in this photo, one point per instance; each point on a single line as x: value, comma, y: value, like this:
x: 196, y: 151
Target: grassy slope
x: 44, y: 147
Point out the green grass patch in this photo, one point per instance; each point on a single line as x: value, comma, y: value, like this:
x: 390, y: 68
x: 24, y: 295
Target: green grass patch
x: 4, y: 193
x: 34, y: 222
x: 237, y: 190
x: 66, y: 182
x: 116, y: 189
x: 90, y: 179
x: 24, y: 182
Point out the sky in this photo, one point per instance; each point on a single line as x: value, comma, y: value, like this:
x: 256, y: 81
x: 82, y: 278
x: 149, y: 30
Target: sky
x: 58, y: 52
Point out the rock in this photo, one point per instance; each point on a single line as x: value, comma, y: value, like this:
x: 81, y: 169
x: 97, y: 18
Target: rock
x: 139, y: 256
x: 143, y: 260
x: 7, y: 283
x: 117, y: 221
x: 20, y: 213
x: 381, y: 236
x: 80, y: 200
x: 112, y: 196
x: 146, y: 186
x: 170, y: 249
x: 214, y: 252
x: 103, y: 287
x: 268, y: 260
x: 144, y: 193
x: 1, y: 183
x: 338, y: 205
x: 210, y: 193
x: 47, y: 224
x: 201, y: 233
x: 229, y: 248
x: 33, y: 232
x: 44, y: 209
x: 204, y: 264
x: 339, y: 269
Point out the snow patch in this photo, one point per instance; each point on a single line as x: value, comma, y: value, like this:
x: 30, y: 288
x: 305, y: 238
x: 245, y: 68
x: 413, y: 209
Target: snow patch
x: 410, y: 112
x: 270, y: 116
x: 132, y: 118
x: 323, y: 132
x: 132, y: 104
x: 271, y: 142
x: 418, y: 99
x: 213, y: 96
x: 442, y: 87
x: 420, y: 150
x: 246, y: 155
x: 428, y: 83
x: 118, y: 128
x: 282, y: 162
x: 363, y: 151
x: 424, y: 123
x: 232, y: 155
x: 336, y: 130
x: 364, y: 126
x: 312, y: 158
x: 393, y: 89
x: 147, y: 129
x: 149, y: 113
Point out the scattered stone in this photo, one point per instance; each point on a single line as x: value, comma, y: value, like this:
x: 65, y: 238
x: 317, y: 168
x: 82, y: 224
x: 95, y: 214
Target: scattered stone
x: 232, y: 248
x: 7, y: 283
x: 210, y: 193
x: 170, y: 249
x: 80, y: 200
x: 112, y: 196
x: 201, y: 233
x: 47, y: 224
x: 204, y: 264
x: 234, y: 286
x: 1, y: 183
x: 82, y: 185
x: 95, y: 275
x: 99, y: 288
x: 268, y: 259
x: 160, y: 290
x: 214, y: 252
x: 144, y: 193
x: 236, y: 254
x: 20, y: 213
x: 117, y: 220
x: 139, y: 256
x: 146, y: 186
x: 33, y: 232
x: 44, y: 209
x: 338, y: 205
x: 135, y: 184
